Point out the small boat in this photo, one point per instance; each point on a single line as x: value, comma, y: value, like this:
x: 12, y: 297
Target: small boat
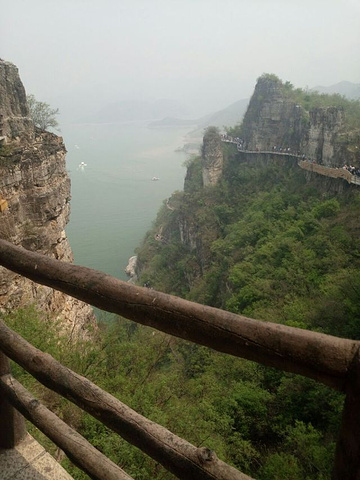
x: 82, y: 164
x: 154, y: 179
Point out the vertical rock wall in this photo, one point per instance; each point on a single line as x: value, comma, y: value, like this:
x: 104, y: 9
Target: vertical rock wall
x: 212, y: 157
x: 272, y: 119
x: 36, y: 186
x: 325, y: 125
x: 13, y: 107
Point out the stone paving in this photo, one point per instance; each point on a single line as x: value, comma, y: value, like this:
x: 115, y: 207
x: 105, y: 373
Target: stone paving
x: 29, y: 461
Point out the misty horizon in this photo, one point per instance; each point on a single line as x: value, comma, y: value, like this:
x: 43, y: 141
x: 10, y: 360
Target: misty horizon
x: 81, y: 56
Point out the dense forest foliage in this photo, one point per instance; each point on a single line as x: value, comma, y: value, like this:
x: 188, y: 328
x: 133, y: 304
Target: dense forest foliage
x: 271, y: 245
x: 268, y: 424
x: 268, y: 245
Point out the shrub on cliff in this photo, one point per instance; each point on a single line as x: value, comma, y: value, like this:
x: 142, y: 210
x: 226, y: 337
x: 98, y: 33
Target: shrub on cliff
x: 42, y: 114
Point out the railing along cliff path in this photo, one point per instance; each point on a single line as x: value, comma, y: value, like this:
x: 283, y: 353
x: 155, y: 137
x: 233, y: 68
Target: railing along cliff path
x: 324, y: 358
x: 303, y: 163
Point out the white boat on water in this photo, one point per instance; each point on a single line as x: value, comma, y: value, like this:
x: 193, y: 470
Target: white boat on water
x: 155, y: 179
x: 82, y: 164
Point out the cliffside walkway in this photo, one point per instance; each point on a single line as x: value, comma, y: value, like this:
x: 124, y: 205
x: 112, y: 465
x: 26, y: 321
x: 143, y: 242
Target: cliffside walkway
x: 303, y: 163
x: 326, y: 359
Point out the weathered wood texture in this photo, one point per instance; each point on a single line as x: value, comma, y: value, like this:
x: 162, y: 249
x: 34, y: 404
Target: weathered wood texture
x: 318, y: 356
x: 79, y: 450
x: 347, y: 457
x: 177, y: 455
x: 12, y: 423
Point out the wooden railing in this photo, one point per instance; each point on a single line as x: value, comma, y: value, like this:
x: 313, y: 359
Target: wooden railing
x: 324, y: 358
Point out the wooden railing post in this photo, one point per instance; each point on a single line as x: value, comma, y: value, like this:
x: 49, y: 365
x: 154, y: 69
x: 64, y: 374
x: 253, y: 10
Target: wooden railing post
x: 347, y: 458
x: 12, y: 423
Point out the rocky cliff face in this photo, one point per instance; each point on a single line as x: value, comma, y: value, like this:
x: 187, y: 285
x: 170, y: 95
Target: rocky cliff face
x: 212, y: 157
x: 14, y: 115
x: 273, y: 119
x: 320, y: 142
x: 36, y: 186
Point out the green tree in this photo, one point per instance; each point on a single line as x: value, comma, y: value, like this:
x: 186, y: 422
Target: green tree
x: 42, y: 114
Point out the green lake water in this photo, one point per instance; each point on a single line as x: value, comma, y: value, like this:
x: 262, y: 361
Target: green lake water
x: 114, y: 200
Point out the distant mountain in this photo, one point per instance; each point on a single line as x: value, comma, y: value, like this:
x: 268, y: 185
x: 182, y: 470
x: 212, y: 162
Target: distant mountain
x: 135, y: 110
x: 168, y: 107
x: 173, y: 122
x: 228, y: 116
x: 348, y: 89
x: 126, y: 110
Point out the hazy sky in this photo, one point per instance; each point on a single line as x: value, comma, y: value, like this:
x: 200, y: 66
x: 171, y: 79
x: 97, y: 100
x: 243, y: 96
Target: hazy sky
x: 205, y: 53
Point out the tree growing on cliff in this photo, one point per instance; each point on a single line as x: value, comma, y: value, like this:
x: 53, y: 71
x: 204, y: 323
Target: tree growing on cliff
x: 42, y: 114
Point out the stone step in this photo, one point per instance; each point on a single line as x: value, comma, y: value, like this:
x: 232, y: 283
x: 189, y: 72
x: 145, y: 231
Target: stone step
x: 30, y: 461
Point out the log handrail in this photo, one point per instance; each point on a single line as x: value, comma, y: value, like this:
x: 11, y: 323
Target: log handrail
x: 327, y: 359
x: 79, y: 450
x: 178, y: 456
x: 322, y: 357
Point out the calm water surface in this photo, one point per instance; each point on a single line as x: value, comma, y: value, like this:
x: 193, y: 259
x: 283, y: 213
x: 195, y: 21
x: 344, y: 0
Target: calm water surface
x: 114, y: 201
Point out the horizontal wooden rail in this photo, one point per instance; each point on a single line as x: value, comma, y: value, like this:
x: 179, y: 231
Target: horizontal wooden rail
x: 79, y: 450
x: 318, y: 356
x: 177, y: 455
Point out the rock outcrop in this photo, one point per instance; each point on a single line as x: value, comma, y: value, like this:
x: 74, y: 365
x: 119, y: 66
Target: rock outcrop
x: 35, y: 184
x: 14, y: 114
x: 130, y: 269
x: 320, y: 143
x: 212, y: 157
x: 274, y: 118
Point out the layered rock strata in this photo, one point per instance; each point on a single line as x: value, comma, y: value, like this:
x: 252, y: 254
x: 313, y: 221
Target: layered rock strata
x: 321, y: 145
x: 272, y: 119
x: 35, y: 184
x: 275, y: 119
x: 212, y: 157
